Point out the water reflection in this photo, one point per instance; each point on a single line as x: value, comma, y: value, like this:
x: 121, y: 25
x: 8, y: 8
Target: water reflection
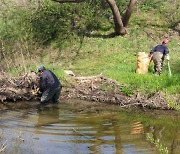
x: 58, y: 129
x: 137, y: 128
x: 47, y: 115
x: 175, y: 145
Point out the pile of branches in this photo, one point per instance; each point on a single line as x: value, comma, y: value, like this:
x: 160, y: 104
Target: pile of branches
x: 19, y: 88
x: 92, y: 89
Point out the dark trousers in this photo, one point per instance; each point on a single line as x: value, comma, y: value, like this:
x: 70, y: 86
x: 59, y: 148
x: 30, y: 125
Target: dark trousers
x: 51, y: 95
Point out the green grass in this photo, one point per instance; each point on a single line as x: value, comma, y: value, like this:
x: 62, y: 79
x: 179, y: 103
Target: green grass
x: 160, y: 147
x: 89, y: 50
x: 116, y: 59
x: 15, y: 71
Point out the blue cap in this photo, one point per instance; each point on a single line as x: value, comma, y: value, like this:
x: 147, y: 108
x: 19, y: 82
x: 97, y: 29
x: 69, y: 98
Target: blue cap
x: 41, y: 68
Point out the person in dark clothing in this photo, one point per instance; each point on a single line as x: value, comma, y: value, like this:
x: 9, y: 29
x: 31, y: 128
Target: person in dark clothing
x: 50, y: 86
x: 157, y: 54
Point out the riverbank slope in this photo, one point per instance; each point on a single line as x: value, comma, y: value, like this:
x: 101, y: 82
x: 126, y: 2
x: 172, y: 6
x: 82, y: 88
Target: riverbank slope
x: 64, y: 37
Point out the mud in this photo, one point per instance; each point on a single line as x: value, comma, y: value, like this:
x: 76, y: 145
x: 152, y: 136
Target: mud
x: 94, y: 88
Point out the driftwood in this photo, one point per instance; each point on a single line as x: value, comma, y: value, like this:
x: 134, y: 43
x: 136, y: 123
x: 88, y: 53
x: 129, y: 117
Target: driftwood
x: 20, y: 88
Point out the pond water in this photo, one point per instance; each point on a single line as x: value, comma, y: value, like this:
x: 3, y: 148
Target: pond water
x: 73, y: 128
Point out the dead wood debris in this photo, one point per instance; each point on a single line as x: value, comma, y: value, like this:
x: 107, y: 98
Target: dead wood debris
x: 91, y: 88
x: 3, y: 147
x: 19, y: 88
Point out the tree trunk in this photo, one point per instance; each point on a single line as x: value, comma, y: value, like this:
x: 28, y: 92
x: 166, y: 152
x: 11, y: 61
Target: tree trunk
x: 120, y: 24
x: 119, y: 27
x: 128, y: 12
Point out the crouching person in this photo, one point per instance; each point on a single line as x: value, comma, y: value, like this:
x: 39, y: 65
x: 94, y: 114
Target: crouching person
x: 50, y: 86
x: 158, y: 53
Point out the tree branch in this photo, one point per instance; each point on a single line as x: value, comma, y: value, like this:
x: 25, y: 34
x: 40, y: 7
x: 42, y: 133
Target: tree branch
x: 119, y: 28
x: 128, y: 12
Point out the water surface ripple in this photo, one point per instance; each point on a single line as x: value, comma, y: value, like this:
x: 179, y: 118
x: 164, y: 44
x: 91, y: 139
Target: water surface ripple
x: 59, y: 129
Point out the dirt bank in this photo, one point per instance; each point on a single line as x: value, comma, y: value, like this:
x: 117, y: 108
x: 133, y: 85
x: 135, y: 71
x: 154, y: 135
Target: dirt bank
x: 92, y: 88
x: 101, y: 89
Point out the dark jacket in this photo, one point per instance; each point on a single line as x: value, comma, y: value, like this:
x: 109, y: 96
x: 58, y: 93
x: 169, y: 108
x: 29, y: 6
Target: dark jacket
x: 160, y: 48
x: 48, y: 80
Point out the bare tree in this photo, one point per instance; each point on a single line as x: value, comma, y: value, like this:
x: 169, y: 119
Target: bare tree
x: 119, y: 22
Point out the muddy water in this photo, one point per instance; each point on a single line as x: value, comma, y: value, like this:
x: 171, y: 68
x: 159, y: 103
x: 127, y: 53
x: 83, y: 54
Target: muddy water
x: 80, y: 129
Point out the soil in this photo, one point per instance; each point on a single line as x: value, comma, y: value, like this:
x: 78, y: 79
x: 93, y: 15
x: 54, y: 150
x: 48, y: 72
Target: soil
x: 93, y: 88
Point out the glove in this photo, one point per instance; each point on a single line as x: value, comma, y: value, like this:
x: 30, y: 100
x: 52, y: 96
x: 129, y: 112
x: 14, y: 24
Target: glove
x: 167, y: 57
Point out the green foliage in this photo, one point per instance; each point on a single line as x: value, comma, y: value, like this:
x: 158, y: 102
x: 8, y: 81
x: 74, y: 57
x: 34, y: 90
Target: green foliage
x: 127, y: 90
x: 57, y: 24
x: 78, y: 36
x: 50, y: 21
x: 174, y: 105
x: 14, y: 71
x: 168, y: 10
x: 107, y: 88
x: 122, y: 5
x: 157, y: 143
x: 13, y: 21
x: 149, y: 5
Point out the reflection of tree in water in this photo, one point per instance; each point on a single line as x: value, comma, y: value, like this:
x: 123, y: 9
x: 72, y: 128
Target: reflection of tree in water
x: 117, y: 135
x: 175, y: 142
x: 154, y: 135
x: 160, y: 133
x: 103, y: 132
x: 107, y: 128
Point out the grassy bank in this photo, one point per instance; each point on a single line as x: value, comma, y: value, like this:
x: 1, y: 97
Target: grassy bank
x: 30, y: 37
x: 116, y: 58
